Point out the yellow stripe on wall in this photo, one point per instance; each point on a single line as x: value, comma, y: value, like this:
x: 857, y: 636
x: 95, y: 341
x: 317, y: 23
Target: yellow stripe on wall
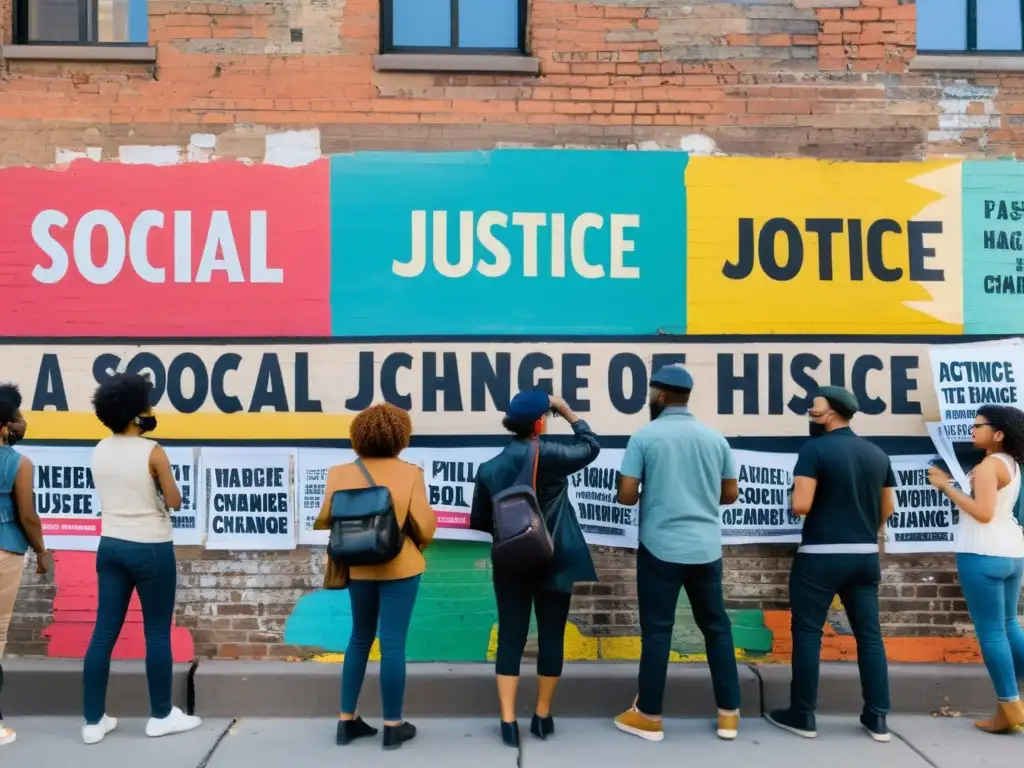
x: 66, y: 425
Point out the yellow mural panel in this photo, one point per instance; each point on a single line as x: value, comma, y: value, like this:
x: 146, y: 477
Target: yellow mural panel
x: 809, y: 246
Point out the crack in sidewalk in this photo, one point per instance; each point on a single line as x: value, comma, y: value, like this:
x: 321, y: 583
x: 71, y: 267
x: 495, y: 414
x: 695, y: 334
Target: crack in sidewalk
x: 209, y: 755
x: 913, y: 748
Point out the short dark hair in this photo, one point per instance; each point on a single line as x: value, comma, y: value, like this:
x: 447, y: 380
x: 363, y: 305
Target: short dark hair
x: 121, y: 399
x: 10, y: 402
x: 842, y: 410
x: 1009, y: 421
x: 519, y: 427
x: 676, y: 396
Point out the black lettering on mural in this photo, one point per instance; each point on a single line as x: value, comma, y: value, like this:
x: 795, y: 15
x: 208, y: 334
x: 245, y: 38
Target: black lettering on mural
x: 64, y: 490
x: 49, y: 385
x: 779, y: 247
x: 448, y: 481
x: 490, y: 380
x: 250, y: 500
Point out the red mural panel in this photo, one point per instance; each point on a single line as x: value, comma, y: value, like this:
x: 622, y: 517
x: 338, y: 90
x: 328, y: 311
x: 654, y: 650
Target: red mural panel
x: 203, y: 249
x: 74, y: 615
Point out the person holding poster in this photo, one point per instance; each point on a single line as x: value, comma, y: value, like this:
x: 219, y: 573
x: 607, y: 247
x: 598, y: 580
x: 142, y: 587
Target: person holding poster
x: 135, y: 484
x: 384, y: 594
x: 20, y: 527
x: 687, y: 471
x: 990, y: 555
x: 844, y: 488
x: 548, y: 590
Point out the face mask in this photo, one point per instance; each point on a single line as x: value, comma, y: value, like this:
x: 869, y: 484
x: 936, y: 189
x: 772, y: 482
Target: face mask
x: 146, y: 423
x: 655, y: 409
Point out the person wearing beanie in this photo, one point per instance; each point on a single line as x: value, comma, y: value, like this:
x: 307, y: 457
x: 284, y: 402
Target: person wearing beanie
x: 547, y: 589
x: 687, y: 472
x: 844, y: 491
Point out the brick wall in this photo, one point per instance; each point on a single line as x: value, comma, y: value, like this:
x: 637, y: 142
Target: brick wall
x: 825, y: 78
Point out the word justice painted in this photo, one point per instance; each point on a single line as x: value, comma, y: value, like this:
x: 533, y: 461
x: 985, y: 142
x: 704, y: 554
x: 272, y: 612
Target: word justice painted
x: 131, y: 242
x: 520, y: 233
x: 454, y: 388
x: 864, y: 241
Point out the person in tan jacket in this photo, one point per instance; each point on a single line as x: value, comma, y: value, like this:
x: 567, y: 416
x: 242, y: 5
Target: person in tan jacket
x: 381, y: 593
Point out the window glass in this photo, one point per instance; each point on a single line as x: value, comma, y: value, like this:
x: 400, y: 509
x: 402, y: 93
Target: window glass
x: 942, y: 25
x: 489, y: 24
x: 421, y: 24
x: 999, y: 25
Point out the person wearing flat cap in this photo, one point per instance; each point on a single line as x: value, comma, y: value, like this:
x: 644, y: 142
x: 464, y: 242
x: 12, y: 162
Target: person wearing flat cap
x: 843, y: 489
x: 548, y: 590
x: 688, y: 472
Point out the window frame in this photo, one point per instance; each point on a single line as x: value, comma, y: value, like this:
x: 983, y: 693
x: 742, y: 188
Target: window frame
x: 88, y: 28
x: 387, y: 46
x: 972, y: 38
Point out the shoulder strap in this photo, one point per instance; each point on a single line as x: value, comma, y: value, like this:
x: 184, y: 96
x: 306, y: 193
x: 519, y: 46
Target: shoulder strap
x: 528, y: 472
x: 366, y: 473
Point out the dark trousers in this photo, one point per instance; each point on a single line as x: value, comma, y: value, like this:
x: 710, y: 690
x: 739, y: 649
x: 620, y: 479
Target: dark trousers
x: 658, y: 585
x: 515, y: 601
x: 123, y: 567
x: 390, y: 603
x: 813, y: 583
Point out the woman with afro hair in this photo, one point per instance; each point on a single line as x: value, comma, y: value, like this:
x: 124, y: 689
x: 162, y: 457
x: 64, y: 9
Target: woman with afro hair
x: 382, y: 595
x: 136, y: 489
x: 990, y: 555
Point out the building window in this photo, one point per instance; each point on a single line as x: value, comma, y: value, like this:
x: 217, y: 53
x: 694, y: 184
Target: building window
x: 81, y: 22
x: 970, y: 26
x: 453, y: 26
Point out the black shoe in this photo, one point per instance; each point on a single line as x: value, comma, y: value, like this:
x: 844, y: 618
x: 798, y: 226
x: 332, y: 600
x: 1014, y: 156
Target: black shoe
x: 349, y: 730
x: 396, y: 735
x: 542, y: 727
x: 875, y: 726
x: 510, y: 733
x: 794, y: 722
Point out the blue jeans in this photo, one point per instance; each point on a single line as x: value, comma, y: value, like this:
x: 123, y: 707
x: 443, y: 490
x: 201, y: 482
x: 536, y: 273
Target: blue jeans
x: 390, y: 603
x: 123, y: 567
x: 991, y: 586
x: 658, y: 584
x: 813, y: 583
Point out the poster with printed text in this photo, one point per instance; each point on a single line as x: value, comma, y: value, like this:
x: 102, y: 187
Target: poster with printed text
x: 65, y: 496
x: 450, y: 476
x: 763, y: 513
x: 249, y: 498
x: 592, y: 492
x: 971, y: 375
x: 925, y: 519
x: 188, y: 521
x: 311, y: 484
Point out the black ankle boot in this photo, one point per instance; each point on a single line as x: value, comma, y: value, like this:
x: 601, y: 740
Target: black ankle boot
x: 542, y: 727
x: 396, y: 735
x: 349, y: 730
x: 510, y: 733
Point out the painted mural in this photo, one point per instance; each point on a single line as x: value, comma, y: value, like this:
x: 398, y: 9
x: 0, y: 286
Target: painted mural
x: 270, y: 304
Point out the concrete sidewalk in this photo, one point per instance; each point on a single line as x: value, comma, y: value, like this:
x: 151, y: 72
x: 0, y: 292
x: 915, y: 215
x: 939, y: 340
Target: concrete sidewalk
x: 918, y: 742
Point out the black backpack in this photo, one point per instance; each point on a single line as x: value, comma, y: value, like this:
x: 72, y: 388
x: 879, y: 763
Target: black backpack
x: 522, y: 542
x: 364, y: 526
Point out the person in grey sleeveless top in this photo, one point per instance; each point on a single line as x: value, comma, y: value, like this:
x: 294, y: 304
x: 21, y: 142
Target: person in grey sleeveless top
x: 20, y: 528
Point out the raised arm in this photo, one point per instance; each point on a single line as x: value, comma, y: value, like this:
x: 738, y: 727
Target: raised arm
x: 982, y: 507
x: 569, y: 458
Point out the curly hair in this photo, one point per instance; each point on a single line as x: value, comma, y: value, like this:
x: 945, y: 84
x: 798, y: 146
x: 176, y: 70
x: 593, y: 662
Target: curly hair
x: 1009, y: 421
x: 10, y: 402
x: 522, y: 429
x: 122, y: 398
x: 380, y: 432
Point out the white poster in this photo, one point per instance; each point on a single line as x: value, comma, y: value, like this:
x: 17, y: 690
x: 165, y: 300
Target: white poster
x: 592, y: 492
x: 763, y: 513
x: 925, y: 519
x: 65, y: 496
x: 188, y: 521
x: 450, y: 476
x: 944, y: 445
x: 311, y: 474
x: 249, y: 498
x: 967, y: 376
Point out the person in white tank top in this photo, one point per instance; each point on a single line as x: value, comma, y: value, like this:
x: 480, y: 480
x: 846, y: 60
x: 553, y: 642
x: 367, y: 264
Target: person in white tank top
x: 990, y: 555
x: 136, y: 489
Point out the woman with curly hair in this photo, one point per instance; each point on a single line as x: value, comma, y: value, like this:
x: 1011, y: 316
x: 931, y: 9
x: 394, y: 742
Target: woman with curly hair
x: 381, y: 594
x: 136, y: 488
x: 990, y: 555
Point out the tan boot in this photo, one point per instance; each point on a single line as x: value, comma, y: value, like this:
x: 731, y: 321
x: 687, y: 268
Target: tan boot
x: 1008, y: 719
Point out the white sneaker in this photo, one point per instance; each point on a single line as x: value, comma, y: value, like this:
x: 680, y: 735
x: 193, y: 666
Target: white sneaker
x: 176, y: 722
x: 7, y: 736
x: 93, y: 734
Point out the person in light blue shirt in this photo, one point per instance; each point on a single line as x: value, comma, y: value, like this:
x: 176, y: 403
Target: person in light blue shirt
x: 687, y: 472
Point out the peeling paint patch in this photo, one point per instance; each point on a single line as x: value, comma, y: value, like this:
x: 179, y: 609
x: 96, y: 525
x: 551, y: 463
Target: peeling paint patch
x: 65, y: 156
x: 292, y: 148
x: 201, y: 147
x: 138, y: 154
x: 966, y: 113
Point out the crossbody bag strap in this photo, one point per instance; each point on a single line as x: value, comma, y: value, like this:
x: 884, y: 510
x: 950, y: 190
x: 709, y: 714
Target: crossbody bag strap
x: 528, y: 471
x: 536, y: 461
x: 366, y: 473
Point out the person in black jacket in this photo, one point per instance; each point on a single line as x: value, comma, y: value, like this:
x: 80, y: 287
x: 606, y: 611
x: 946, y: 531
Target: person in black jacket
x: 548, y: 590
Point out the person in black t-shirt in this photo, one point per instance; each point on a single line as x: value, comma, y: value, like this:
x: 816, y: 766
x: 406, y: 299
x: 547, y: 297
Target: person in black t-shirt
x: 844, y: 488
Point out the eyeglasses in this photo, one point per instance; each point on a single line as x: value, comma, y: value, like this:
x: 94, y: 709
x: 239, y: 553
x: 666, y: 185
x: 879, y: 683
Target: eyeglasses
x: 979, y: 425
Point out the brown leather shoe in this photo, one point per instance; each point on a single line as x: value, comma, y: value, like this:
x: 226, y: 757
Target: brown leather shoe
x: 1009, y: 718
